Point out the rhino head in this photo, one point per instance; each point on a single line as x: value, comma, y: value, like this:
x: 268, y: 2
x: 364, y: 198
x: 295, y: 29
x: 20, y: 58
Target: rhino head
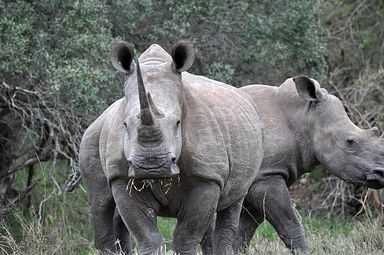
x: 154, y: 102
x: 355, y: 155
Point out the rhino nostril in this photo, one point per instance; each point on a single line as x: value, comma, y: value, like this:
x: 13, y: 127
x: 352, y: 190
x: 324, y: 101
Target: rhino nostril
x: 173, y: 159
x: 130, y: 161
x: 379, y: 171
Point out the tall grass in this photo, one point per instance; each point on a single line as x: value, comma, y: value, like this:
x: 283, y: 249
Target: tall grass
x: 363, y: 237
x: 61, y: 224
x: 56, y: 231
x: 62, y: 233
x: 56, y: 223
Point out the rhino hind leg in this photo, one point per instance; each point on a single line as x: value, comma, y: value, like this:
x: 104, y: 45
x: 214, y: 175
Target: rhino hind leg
x: 249, y: 221
x: 227, y: 222
x: 270, y: 196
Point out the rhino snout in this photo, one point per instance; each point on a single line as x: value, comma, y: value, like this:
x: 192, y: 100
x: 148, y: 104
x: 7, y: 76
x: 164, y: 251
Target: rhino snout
x: 141, y: 167
x: 379, y: 171
x: 375, y: 179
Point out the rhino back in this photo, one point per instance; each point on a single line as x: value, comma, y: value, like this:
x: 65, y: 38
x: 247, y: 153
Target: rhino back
x: 219, y: 121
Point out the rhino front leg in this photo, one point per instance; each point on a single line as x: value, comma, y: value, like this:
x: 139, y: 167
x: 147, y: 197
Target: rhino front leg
x: 137, y: 210
x: 227, y: 223
x: 122, y: 234
x: 194, y: 217
x: 207, y: 242
x: 270, y: 199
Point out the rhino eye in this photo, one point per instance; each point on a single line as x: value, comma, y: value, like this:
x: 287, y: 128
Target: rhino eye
x: 177, y: 127
x: 126, y: 128
x: 352, y: 144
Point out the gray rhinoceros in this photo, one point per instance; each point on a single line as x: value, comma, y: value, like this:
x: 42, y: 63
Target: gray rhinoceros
x: 179, y: 146
x: 304, y: 127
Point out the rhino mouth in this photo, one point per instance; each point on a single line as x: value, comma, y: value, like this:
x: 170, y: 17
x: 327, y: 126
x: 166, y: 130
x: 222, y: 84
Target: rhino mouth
x: 375, y: 178
x: 161, y: 172
x: 157, y: 166
x: 143, y: 176
x: 164, y: 184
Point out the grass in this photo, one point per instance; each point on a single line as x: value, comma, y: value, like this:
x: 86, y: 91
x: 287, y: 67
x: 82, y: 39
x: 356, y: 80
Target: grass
x: 56, y: 223
x: 63, y: 233
x: 61, y: 224
x: 358, y: 238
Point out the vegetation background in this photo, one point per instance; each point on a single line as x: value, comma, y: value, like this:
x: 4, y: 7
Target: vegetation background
x: 56, y: 79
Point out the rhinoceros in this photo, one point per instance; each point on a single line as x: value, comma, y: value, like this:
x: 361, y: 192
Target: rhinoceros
x: 304, y: 126
x: 175, y: 145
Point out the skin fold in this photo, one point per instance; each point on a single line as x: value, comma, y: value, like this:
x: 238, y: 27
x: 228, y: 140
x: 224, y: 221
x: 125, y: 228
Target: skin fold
x: 175, y: 145
x: 304, y: 126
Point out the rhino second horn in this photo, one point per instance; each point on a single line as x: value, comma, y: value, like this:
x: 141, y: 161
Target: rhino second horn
x: 145, y: 111
x: 154, y: 108
x: 375, y: 131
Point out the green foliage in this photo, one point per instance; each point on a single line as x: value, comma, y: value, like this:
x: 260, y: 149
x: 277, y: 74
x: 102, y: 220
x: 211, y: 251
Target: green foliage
x: 355, y: 32
x: 62, y: 45
x: 14, y: 39
x: 285, y: 40
x: 54, y: 224
x: 238, y: 42
x: 221, y: 72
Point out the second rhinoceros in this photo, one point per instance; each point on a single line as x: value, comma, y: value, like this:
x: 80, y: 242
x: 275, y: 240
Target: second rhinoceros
x: 175, y: 145
x: 304, y: 126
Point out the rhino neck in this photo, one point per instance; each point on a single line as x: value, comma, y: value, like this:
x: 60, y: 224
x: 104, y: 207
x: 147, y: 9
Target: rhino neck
x: 301, y: 122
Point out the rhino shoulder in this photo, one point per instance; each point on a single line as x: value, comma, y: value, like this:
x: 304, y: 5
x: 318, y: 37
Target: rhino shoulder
x: 93, y: 131
x: 210, y: 91
x: 93, y: 138
x: 112, y: 142
x: 199, y: 80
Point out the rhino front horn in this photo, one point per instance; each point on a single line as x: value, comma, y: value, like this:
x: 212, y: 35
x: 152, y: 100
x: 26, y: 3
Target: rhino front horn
x: 145, y: 111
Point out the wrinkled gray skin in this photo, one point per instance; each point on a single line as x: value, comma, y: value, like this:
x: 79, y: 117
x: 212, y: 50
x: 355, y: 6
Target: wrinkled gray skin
x: 304, y: 127
x: 185, y: 135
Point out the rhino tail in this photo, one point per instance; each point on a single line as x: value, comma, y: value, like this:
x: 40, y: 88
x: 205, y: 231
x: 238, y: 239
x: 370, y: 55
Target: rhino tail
x: 73, y: 184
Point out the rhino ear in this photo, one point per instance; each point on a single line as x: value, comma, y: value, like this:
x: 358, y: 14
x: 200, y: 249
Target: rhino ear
x: 307, y: 89
x: 121, y: 57
x: 183, y: 55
